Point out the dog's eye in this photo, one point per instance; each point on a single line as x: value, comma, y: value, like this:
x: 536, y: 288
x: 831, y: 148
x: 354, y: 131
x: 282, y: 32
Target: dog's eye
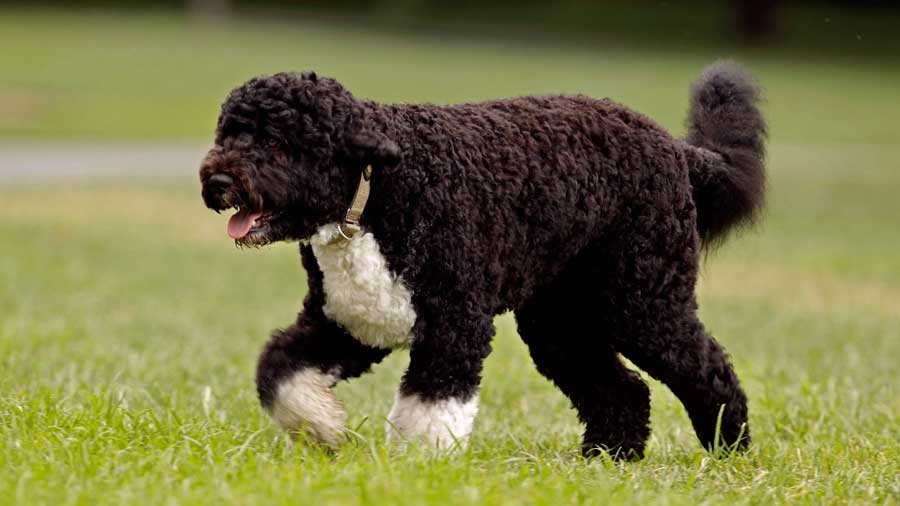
x: 272, y: 143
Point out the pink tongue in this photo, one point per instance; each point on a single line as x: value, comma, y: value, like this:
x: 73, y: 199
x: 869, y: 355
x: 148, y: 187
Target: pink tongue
x: 241, y: 223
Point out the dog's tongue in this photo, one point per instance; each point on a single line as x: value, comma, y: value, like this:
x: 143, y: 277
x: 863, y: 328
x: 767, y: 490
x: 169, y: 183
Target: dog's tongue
x: 241, y: 223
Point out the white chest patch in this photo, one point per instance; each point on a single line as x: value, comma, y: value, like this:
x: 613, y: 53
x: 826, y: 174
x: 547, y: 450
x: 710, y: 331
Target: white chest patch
x: 361, y: 294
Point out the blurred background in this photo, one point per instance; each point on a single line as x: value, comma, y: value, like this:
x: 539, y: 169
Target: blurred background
x: 119, y: 291
x: 158, y: 70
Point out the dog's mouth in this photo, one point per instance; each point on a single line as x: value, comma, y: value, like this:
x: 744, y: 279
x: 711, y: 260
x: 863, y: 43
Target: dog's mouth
x: 243, y: 222
x: 250, y: 227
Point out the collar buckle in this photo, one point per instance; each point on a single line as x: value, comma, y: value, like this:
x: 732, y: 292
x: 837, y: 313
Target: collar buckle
x: 350, y: 226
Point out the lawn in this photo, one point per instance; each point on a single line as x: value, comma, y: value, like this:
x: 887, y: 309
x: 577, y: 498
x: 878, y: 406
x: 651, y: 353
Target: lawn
x: 129, y: 324
x: 154, y: 76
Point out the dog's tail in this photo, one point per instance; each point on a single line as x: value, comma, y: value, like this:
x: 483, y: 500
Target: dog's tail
x: 729, y: 174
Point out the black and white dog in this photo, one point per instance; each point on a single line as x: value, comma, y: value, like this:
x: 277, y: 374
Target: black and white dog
x: 420, y: 223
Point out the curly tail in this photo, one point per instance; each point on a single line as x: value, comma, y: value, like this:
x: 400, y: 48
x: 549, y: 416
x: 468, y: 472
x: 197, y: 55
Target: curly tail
x: 729, y: 177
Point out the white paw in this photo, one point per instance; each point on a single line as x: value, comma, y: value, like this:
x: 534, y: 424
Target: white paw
x: 434, y: 424
x: 305, y: 403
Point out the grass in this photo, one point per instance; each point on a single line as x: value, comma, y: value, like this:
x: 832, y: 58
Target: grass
x: 153, y: 75
x: 129, y: 327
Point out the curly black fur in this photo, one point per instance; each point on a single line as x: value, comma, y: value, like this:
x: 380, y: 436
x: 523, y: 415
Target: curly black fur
x: 724, y: 118
x: 583, y: 217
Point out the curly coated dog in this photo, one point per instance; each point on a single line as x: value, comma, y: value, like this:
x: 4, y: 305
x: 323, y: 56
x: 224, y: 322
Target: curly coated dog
x: 419, y: 223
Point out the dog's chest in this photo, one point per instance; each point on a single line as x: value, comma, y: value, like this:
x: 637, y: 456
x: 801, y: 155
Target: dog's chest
x: 361, y: 294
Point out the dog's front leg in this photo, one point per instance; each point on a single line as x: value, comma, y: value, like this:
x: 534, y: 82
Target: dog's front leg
x: 438, y: 398
x: 296, y: 373
x: 299, y: 366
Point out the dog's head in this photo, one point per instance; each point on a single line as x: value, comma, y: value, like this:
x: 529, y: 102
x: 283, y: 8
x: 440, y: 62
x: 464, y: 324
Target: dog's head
x: 288, y: 152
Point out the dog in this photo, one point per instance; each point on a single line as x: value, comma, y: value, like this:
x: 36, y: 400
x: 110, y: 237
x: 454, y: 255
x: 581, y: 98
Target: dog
x: 419, y: 223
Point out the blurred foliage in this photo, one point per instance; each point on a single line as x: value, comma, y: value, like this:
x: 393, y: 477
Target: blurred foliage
x: 855, y: 27
x: 112, y: 74
x: 858, y: 27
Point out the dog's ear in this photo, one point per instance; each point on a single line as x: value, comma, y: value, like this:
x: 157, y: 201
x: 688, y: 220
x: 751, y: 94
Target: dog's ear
x: 370, y: 147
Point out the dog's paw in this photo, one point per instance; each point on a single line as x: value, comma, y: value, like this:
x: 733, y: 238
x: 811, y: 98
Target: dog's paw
x: 617, y: 453
x: 437, y: 425
x: 305, y: 404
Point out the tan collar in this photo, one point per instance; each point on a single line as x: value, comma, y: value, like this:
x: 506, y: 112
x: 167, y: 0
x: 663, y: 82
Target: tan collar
x: 350, y: 227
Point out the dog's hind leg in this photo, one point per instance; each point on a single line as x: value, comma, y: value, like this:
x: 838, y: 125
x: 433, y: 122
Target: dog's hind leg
x: 658, y: 330
x: 566, y: 335
x: 299, y: 366
x: 674, y: 348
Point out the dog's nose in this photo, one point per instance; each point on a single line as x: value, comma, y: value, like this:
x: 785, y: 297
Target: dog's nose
x: 221, y: 181
x: 217, y: 190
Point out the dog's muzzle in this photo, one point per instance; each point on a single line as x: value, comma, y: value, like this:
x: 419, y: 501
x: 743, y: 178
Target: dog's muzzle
x: 217, y: 192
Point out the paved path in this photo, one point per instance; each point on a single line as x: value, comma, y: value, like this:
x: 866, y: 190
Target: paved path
x: 46, y: 162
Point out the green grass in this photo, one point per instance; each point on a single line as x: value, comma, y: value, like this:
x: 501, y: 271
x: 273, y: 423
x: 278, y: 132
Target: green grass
x: 129, y: 326
x: 153, y: 75
x: 130, y: 329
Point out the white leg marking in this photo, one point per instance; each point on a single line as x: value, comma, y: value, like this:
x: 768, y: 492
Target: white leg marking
x: 437, y: 424
x: 305, y: 402
x: 361, y: 294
